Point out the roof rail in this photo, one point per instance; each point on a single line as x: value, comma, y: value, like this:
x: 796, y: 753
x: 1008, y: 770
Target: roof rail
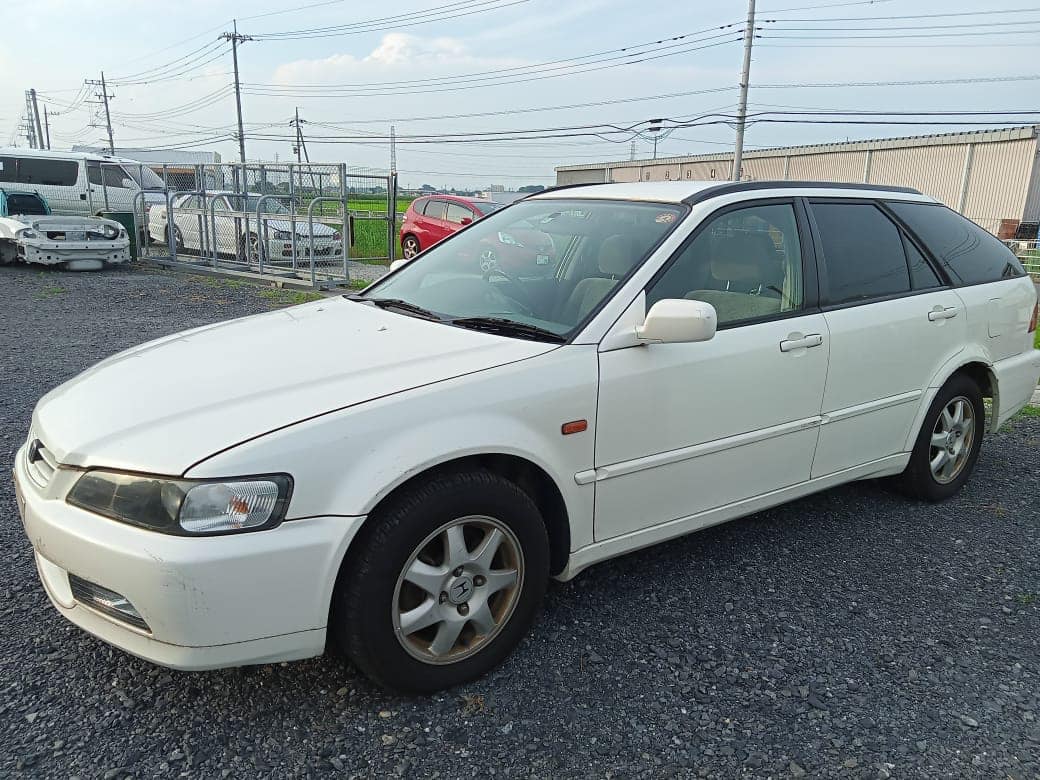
x: 746, y: 186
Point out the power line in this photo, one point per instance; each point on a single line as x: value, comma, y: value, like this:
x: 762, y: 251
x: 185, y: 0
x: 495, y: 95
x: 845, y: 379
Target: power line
x: 908, y: 16
x: 374, y: 92
x: 630, y: 50
x: 452, y: 11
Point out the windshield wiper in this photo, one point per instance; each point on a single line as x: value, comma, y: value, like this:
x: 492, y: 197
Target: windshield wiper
x: 508, y: 328
x: 397, y: 303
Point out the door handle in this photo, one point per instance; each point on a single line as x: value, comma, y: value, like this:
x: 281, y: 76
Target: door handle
x: 801, y: 342
x: 941, y: 313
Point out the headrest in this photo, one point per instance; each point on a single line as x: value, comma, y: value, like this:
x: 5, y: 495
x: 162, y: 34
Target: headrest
x: 749, y: 258
x: 617, y: 255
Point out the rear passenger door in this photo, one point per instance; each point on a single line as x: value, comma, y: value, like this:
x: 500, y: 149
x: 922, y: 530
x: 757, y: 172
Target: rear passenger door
x: 893, y: 321
x: 434, y: 226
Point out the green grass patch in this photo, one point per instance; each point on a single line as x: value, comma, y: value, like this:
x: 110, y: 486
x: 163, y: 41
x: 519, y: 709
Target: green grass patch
x: 283, y: 297
x: 1036, y: 338
x: 1029, y: 411
x: 50, y: 291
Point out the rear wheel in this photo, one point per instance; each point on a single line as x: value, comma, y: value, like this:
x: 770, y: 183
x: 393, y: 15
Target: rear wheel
x: 410, y: 247
x: 178, y: 239
x: 949, y: 442
x: 444, y: 584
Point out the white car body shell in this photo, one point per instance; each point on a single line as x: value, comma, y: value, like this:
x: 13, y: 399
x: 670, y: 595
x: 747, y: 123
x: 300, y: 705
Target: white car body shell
x: 48, y: 241
x: 354, y: 401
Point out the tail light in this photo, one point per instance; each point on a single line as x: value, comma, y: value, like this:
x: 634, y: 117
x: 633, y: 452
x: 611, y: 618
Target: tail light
x: 1032, y: 322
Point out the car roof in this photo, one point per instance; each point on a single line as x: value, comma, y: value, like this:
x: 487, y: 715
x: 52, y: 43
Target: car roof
x: 690, y: 192
x: 17, y: 151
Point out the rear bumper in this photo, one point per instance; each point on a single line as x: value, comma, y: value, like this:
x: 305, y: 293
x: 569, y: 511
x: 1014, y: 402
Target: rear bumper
x: 1017, y: 379
x: 207, y: 602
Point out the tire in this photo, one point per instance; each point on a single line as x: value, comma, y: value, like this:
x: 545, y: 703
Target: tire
x: 410, y: 247
x: 178, y: 239
x: 920, y: 479
x: 373, y: 599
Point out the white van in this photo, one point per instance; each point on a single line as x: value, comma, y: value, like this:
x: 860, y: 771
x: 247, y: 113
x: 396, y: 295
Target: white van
x: 78, y: 183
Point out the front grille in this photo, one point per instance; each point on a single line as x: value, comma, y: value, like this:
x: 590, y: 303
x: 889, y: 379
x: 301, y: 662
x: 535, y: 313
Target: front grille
x: 40, y: 463
x: 106, y: 601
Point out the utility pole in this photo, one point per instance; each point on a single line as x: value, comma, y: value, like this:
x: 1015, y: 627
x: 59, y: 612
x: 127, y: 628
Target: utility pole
x: 108, y: 117
x: 745, y: 79
x: 393, y: 150
x: 46, y: 127
x: 36, y: 119
x: 30, y: 125
x: 236, y: 39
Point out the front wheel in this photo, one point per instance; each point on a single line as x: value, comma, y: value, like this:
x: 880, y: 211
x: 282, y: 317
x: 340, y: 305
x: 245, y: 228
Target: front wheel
x: 444, y: 584
x: 949, y: 442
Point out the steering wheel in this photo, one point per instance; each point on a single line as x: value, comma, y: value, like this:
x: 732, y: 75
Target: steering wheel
x: 489, y: 266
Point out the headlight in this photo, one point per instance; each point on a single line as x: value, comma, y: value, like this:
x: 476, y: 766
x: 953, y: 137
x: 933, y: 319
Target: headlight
x: 185, y: 507
x: 282, y: 235
x: 25, y: 233
x: 110, y: 232
x: 336, y: 236
x: 507, y: 239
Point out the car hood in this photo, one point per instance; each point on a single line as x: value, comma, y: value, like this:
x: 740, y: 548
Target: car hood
x: 163, y: 406
x: 53, y: 222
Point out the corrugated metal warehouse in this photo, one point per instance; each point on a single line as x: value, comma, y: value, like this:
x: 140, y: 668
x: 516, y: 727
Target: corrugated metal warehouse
x: 990, y: 176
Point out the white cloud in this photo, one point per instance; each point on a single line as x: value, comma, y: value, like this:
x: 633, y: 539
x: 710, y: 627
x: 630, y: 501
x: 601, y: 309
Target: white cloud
x: 397, y: 53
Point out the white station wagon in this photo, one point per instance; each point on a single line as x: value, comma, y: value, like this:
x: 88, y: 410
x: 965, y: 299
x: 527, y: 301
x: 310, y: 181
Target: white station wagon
x: 401, y: 471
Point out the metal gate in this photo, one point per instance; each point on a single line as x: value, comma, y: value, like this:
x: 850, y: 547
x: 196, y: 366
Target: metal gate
x: 310, y: 222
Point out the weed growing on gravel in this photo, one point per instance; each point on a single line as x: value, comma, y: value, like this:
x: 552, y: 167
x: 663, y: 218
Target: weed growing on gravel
x: 281, y: 297
x: 50, y: 291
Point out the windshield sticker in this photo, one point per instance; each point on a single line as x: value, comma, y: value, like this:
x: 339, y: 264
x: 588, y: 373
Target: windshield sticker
x: 664, y: 218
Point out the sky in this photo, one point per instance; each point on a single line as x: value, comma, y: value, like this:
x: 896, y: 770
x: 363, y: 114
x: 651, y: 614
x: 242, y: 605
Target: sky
x: 363, y: 67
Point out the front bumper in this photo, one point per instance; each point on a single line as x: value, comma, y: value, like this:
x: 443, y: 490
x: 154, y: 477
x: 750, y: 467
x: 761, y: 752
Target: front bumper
x: 283, y: 250
x: 87, y: 253
x: 208, y: 602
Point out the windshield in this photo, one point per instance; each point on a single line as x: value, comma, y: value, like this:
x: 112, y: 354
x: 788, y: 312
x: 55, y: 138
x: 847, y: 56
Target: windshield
x: 544, y: 263
x: 271, y: 206
x: 145, y: 177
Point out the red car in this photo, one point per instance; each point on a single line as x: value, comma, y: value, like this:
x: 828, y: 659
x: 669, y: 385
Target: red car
x: 434, y: 217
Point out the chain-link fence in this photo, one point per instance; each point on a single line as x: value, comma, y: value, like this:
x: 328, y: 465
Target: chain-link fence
x: 309, y: 221
x: 1028, y: 251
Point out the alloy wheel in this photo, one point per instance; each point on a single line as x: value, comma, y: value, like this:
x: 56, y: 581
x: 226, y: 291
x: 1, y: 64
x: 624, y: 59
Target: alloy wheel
x: 458, y: 589
x: 952, y: 438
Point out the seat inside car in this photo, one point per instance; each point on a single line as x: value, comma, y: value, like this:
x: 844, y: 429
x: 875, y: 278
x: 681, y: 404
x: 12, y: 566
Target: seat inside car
x: 746, y: 277
x: 617, y: 255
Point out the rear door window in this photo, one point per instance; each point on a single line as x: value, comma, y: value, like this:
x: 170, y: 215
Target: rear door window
x: 969, y: 253
x: 8, y: 169
x: 39, y: 170
x: 863, y: 253
x: 434, y: 208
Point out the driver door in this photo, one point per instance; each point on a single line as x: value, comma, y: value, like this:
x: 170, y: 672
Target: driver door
x: 684, y: 429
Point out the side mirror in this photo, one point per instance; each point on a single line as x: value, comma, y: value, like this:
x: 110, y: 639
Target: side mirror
x: 399, y: 262
x: 466, y: 221
x: 678, y: 320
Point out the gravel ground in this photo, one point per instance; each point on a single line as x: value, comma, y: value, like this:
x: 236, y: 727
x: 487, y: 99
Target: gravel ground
x: 850, y: 634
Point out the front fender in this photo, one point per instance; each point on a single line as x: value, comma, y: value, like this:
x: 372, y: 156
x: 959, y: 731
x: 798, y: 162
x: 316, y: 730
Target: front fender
x: 346, y: 462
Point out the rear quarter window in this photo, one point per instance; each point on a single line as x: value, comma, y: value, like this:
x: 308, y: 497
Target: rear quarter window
x: 968, y: 253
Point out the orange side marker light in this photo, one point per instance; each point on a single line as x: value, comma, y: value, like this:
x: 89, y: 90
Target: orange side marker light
x: 574, y: 426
